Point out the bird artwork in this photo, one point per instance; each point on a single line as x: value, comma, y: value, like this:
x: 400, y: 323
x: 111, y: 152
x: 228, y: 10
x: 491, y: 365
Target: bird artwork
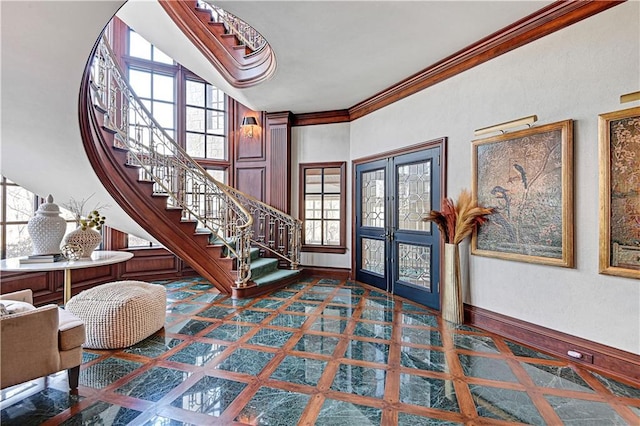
x: 502, y: 193
x: 523, y: 175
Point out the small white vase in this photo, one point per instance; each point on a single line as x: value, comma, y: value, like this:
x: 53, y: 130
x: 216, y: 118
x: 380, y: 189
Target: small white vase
x: 47, y: 228
x: 89, y: 239
x: 450, y: 285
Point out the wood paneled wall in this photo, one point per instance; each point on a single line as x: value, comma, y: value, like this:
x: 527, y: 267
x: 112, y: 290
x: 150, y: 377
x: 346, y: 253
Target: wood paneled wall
x: 147, y: 264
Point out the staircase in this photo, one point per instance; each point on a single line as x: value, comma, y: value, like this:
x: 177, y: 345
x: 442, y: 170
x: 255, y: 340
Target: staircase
x: 219, y: 231
x: 236, y: 50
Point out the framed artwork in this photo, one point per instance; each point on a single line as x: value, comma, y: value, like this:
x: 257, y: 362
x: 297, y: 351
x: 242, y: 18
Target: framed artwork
x: 526, y: 177
x: 620, y: 193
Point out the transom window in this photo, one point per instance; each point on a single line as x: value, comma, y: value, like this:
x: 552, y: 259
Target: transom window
x: 322, y: 206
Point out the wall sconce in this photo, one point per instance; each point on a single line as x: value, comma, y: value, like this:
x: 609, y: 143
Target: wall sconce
x: 247, y: 125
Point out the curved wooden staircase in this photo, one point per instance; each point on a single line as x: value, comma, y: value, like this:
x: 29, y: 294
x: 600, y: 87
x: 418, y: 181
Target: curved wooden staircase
x: 211, y: 255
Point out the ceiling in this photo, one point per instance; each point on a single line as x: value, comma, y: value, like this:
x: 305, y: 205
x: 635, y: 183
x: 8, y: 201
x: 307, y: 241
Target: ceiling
x: 332, y: 55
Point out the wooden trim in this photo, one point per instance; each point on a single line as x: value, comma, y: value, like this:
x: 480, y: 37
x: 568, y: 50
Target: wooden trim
x: 326, y: 271
x: 440, y: 142
x: 324, y: 117
x: 239, y: 71
x: 254, y: 290
x: 552, y: 18
x: 342, y: 165
x: 595, y: 355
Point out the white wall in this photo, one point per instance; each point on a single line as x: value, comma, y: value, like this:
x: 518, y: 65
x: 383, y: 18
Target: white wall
x: 312, y: 144
x: 576, y: 73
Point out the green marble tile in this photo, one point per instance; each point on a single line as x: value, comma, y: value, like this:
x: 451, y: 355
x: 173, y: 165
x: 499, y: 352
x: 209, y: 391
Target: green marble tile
x: 236, y: 302
x: 88, y: 357
x: 342, y: 413
x: 618, y: 388
x: 153, y: 346
x: 505, y: 404
x: 165, y: 421
x: 37, y: 408
x: 316, y: 343
x: 197, y: 353
x: 249, y: 315
x: 428, y: 392
x: 210, y: 395
x: 274, y: 407
x: 153, y: 384
x: 523, y: 351
x: 288, y: 320
x: 487, y: 368
x: 373, y: 330
x: 303, y: 307
x: 106, y: 372
x: 556, y: 377
x: 329, y: 325
x: 303, y: 371
x: 179, y: 295
x: 103, y: 413
x: 270, y: 337
x: 475, y: 343
x: 229, y: 332
x: 411, y: 318
x: 421, y: 336
x: 208, y: 298
x: 406, y: 419
x: 183, y: 308
x: 269, y: 303
x: 580, y: 412
x: 216, y: 312
x: 423, y: 359
x: 374, y: 314
x: 189, y: 327
x: 362, y: 350
x: 246, y: 361
x: 358, y: 380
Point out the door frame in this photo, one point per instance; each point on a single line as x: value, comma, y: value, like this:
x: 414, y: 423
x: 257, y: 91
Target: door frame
x: 441, y: 143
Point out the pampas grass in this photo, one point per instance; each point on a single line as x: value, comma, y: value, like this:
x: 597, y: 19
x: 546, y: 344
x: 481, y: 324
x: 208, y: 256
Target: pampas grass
x: 456, y: 221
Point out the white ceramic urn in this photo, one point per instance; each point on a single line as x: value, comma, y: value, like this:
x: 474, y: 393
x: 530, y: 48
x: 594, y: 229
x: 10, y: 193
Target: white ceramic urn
x: 47, y: 228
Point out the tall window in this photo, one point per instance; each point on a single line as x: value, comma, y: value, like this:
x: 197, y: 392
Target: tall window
x: 18, y: 206
x: 205, y: 121
x: 192, y: 111
x: 322, y: 206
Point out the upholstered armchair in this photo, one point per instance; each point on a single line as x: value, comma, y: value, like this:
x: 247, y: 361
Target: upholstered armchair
x: 36, y: 342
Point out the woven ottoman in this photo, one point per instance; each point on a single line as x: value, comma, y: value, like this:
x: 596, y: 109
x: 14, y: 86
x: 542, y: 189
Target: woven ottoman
x: 120, y: 314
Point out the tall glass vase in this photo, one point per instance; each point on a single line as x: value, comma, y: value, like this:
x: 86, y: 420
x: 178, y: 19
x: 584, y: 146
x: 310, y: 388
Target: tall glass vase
x: 452, y: 309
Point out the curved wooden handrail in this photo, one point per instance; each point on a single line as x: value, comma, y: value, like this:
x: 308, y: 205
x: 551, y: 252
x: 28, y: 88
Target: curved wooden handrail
x: 131, y: 197
x: 241, y: 71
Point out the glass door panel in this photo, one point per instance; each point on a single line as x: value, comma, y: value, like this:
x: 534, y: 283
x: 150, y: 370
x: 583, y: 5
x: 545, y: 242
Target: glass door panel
x: 395, y: 249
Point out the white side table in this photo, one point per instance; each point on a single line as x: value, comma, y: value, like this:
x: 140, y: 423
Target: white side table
x: 98, y: 258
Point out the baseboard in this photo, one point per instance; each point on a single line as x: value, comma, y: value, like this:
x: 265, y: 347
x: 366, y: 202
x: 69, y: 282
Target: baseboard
x: 594, y: 355
x: 326, y: 271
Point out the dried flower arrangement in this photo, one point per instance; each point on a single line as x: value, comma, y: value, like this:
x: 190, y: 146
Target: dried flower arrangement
x: 456, y: 221
x: 93, y: 218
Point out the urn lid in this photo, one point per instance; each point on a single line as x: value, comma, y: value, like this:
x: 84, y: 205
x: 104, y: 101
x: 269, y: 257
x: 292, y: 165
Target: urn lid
x: 49, y: 208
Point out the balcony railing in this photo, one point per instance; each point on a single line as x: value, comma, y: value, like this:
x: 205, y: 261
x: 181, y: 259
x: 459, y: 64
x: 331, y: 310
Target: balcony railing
x: 236, y: 26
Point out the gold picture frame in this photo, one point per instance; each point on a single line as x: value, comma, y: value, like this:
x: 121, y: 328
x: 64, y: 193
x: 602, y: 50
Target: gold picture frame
x: 526, y: 177
x: 619, y: 140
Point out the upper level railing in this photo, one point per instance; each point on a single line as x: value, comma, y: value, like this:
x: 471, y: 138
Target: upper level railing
x: 226, y: 212
x: 245, y: 32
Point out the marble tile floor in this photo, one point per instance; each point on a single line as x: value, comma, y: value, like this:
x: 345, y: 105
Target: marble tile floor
x: 320, y: 352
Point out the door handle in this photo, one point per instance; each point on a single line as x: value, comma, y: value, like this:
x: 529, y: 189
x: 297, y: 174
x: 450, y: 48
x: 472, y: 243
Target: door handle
x: 388, y: 235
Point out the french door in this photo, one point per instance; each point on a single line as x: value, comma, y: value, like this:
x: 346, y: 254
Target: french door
x: 396, y: 250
